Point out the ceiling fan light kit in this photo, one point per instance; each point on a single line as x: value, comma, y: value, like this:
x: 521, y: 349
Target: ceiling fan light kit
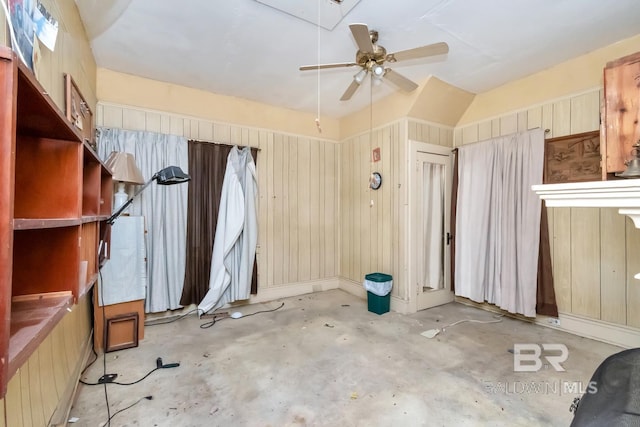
x: 371, y: 57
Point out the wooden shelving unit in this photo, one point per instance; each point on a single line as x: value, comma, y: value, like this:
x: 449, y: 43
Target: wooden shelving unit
x: 55, y: 195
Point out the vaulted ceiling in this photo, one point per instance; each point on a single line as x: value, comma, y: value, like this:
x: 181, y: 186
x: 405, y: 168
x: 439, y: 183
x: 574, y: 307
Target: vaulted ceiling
x: 251, y: 50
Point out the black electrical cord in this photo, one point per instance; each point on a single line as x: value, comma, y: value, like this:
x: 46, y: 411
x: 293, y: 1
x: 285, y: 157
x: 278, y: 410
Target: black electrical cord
x: 169, y: 365
x: 104, y: 353
x: 215, y: 320
x: 128, y: 407
x: 172, y: 320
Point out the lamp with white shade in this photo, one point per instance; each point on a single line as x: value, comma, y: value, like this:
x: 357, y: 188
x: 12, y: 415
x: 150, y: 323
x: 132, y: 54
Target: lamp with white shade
x: 124, y: 169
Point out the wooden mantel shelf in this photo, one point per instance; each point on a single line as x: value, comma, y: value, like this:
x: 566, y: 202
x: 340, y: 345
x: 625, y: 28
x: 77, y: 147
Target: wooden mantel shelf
x: 623, y: 194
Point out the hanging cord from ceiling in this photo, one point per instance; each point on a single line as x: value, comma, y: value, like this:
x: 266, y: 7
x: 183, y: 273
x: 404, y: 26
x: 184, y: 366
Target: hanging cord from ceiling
x: 318, y: 71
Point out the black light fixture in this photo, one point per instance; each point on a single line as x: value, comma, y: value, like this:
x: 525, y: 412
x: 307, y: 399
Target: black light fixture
x: 168, y: 176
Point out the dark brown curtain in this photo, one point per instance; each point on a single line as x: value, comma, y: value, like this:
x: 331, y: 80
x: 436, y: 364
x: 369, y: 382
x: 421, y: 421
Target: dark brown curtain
x: 207, y: 166
x: 546, y: 295
x: 452, y: 225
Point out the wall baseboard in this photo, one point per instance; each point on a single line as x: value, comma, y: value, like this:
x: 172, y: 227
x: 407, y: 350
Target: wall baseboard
x: 292, y: 290
x: 610, y: 333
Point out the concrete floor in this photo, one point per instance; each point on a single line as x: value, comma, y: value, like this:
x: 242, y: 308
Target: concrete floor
x: 324, y: 360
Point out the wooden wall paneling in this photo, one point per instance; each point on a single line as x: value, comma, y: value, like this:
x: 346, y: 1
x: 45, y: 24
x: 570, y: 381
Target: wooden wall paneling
x: 330, y: 207
x: 400, y: 137
x: 355, y: 212
x: 550, y: 217
x: 436, y: 136
x: 412, y: 130
x: 272, y: 259
x: 13, y: 400
x: 222, y: 133
x: 60, y: 367
x: 378, y: 219
x: 396, y: 209
x: 35, y: 391
x: 112, y: 117
x: 280, y: 210
x: 25, y: 395
x: 319, y: 219
x: 3, y: 415
x: 561, y: 258
x: 613, y: 298
x: 469, y: 134
x: 290, y: 189
x: 99, y: 115
x: 522, y: 121
x: 633, y: 267
x: 263, y: 194
x: 315, y: 192
x: 345, y: 209
x: 303, y: 210
x: 484, y: 131
x: 153, y: 122
x: 585, y: 262
x: 446, y: 135
x: 205, y: 130
x: 495, y: 128
x: 235, y: 135
x: 534, y: 117
x: 337, y: 211
x: 585, y: 112
x: 386, y: 237
x: 561, y: 118
x: 457, y: 137
x: 49, y: 392
x: 365, y: 209
x: 508, y: 124
x: 133, y: 119
x: 176, y: 125
x: 165, y: 123
x: 547, y: 120
x: 372, y: 196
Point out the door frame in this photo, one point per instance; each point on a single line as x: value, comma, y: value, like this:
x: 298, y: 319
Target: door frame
x: 440, y: 296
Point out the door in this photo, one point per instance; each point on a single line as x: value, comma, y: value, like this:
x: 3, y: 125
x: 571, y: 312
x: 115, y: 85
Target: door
x: 430, y: 205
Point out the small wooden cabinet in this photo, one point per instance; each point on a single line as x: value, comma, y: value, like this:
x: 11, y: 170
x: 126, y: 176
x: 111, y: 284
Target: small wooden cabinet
x: 55, y: 195
x: 620, y: 128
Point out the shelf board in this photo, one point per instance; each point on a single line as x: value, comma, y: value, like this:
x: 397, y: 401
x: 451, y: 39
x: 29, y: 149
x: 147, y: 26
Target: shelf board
x: 33, y: 317
x: 37, y: 114
x: 94, y: 218
x: 37, y: 223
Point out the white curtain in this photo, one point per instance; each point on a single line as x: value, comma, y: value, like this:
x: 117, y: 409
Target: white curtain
x: 164, y: 209
x: 433, y: 224
x: 498, y: 221
x: 234, y: 246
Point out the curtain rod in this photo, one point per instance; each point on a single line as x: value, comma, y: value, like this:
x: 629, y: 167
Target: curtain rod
x: 455, y: 150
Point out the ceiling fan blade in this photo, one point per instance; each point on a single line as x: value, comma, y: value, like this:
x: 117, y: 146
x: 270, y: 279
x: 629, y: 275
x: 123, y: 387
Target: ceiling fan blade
x: 361, y: 34
x: 323, y: 66
x: 399, y: 80
x: 350, y: 91
x: 419, y: 52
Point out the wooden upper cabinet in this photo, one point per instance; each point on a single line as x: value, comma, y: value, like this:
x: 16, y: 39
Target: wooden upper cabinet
x: 622, y: 112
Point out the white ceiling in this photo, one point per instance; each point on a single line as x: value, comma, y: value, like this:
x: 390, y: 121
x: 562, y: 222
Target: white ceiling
x: 246, y: 49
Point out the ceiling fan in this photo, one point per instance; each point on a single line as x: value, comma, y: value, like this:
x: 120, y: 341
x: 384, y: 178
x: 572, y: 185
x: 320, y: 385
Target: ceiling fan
x: 371, y: 58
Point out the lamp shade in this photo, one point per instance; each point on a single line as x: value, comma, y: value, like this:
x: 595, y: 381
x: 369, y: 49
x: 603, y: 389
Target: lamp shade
x: 171, y: 175
x: 124, y: 169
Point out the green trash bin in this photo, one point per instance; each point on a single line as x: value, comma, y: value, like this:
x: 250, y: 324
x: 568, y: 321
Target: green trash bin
x: 375, y: 284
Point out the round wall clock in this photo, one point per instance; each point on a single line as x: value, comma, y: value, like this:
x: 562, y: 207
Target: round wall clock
x: 375, y: 181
